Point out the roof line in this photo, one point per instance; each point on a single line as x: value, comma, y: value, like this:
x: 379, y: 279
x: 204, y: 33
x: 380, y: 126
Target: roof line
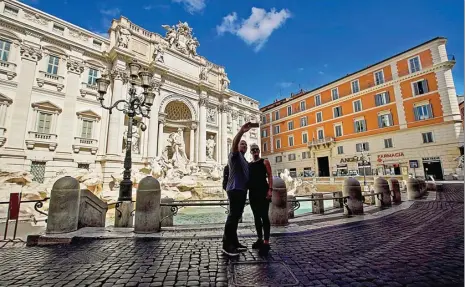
x: 298, y: 95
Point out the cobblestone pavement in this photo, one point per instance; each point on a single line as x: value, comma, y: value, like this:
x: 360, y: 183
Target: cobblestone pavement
x: 420, y: 246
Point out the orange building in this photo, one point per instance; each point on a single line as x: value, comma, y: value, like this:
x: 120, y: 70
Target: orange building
x: 397, y: 113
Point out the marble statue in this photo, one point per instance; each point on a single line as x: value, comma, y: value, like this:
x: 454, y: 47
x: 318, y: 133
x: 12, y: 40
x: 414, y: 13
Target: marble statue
x: 180, y: 37
x: 210, y: 147
x: 460, y: 160
x: 171, y: 34
x: 291, y: 183
x: 204, y: 70
x: 135, y: 148
x: 192, y: 45
x: 211, y: 116
x: 158, y: 53
x: 224, y: 80
x: 123, y: 37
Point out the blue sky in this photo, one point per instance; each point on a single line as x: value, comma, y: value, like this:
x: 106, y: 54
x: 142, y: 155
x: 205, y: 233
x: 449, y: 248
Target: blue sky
x: 274, y: 47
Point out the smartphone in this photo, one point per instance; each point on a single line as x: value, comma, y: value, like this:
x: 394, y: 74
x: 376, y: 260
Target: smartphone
x: 254, y: 125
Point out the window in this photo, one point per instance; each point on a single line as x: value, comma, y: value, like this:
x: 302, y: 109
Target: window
x: 382, y: 99
x: 276, y: 129
x: 305, y: 154
x: 360, y: 126
x: 334, y: 94
x: 279, y: 158
x: 302, y: 106
x: 291, y: 156
x: 379, y: 78
x: 427, y: 137
x: 355, y: 87
x: 357, y: 106
x: 58, y: 29
x: 385, y: 121
x: 340, y: 150
x: 414, y: 64
x: 304, y: 137
x: 86, y: 129
x: 4, y: 50
x: 10, y: 11
x: 362, y: 147
x: 265, y: 147
x: 264, y: 133
x: 290, y: 126
x: 52, y: 67
x: 337, y: 111
x: 423, y: 112
x: 38, y: 171
x: 278, y: 144
x: 289, y: 110
x: 92, y: 77
x: 263, y: 120
x: 276, y: 115
x: 83, y: 166
x: 303, y: 121
x: 319, y: 117
x: 387, y: 143
x: 321, y: 134
x: 240, y: 120
x: 97, y: 44
x: 317, y: 100
x: 338, y: 130
x: 45, y: 122
x: 420, y: 87
x: 291, y: 140
x: 307, y: 171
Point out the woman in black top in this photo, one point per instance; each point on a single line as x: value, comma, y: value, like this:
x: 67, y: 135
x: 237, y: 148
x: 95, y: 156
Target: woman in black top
x: 259, y: 196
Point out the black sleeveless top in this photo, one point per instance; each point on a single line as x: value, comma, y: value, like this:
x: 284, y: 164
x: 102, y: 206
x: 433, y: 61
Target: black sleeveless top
x: 257, y: 178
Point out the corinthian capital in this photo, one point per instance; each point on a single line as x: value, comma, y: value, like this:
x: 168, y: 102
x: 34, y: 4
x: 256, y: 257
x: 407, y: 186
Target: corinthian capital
x: 203, y: 101
x: 75, y: 66
x: 120, y: 74
x: 30, y: 53
x: 224, y: 108
x: 234, y: 115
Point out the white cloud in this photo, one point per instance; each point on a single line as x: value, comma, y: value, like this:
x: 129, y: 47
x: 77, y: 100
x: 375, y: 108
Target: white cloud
x: 325, y: 65
x: 285, y: 84
x: 112, y: 12
x: 301, y: 69
x: 321, y: 72
x: 152, y: 7
x: 192, y: 6
x: 255, y: 30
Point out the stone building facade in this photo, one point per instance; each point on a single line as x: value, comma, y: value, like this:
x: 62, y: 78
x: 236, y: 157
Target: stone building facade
x: 50, y: 118
x: 384, y: 119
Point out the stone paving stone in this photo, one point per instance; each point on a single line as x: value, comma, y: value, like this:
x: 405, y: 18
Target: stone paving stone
x: 419, y: 246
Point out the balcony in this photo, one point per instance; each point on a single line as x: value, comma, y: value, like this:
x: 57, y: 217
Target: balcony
x: 50, y: 79
x: 323, y: 143
x: 88, y: 90
x: 8, y: 68
x: 85, y: 144
x: 42, y: 139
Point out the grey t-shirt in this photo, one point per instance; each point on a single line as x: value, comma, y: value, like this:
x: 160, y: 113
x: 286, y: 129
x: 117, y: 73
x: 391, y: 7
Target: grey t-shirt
x: 238, y: 172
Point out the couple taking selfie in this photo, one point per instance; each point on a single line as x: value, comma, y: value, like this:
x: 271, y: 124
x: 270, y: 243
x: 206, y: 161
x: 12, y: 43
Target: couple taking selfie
x: 240, y: 176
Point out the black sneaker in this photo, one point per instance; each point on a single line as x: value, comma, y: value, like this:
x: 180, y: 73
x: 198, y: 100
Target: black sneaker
x: 240, y: 247
x: 257, y: 244
x: 264, y: 249
x: 230, y: 251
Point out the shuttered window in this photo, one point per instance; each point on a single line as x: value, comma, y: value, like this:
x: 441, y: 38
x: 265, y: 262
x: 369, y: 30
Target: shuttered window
x: 423, y: 112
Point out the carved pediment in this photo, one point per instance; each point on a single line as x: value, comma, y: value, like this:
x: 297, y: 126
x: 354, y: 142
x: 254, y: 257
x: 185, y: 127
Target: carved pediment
x: 47, y: 106
x: 88, y: 114
x: 9, y: 35
x: 5, y: 99
x: 95, y: 63
x: 54, y: 50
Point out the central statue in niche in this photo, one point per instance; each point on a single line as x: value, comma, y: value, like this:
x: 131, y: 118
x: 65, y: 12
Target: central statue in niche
x: 175, y: 151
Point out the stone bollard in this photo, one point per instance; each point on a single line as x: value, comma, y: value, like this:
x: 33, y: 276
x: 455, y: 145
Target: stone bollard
x: 166, y: 215
x: 147, y: 218
x: 431, y: 186
x: 123, y: 214
x: 317, y: 205
x: 290, y: 208
x: 63, y: 211
x: 394, y: 186
x: 413, y: 189
x: 353, y: 192
x: 338, y: 203
x: 422, y: 184
x: 383, y: 199
x: 278, y: 212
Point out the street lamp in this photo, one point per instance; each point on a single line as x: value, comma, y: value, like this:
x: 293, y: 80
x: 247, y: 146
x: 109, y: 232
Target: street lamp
x: 135, y: 105
x: 364, y: 167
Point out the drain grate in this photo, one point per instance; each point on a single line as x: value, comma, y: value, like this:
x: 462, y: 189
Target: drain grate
x: 85, y: 257
x: 262, y: 274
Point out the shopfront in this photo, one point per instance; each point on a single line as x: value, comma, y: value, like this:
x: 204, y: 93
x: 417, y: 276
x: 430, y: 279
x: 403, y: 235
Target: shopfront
x: 391, y: 164
x: 433, y: 167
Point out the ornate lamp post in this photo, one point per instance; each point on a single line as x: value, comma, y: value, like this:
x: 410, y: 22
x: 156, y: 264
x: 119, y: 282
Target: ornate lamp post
x: 364, y: 156
x: 135, y: 105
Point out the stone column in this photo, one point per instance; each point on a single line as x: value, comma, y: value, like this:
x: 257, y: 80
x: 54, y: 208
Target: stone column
x: 22, y: 105
x: 196, y: 151
x: 202, y: 150
x: 161, y: 125
x: 68, y: 118
x: 192, y: 142
x: 224, y: 133
x: 234, y: 122
x: 153, y: 127
x: 116, y: 127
